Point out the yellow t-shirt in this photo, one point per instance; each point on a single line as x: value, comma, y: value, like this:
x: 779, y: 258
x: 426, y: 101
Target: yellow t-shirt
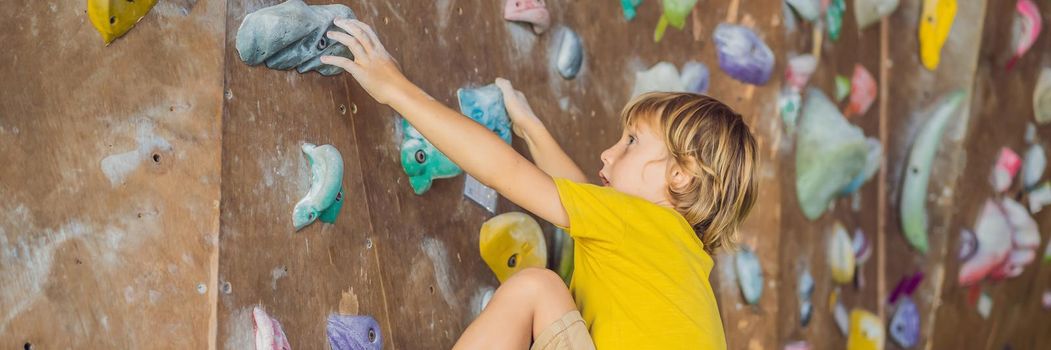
x: 640, y: 275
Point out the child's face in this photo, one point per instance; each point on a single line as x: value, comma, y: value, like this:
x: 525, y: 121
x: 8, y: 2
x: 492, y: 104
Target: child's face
x: 637, y: 164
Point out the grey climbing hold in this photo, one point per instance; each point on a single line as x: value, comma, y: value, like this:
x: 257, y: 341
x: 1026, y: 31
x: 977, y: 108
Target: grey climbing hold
x: 292, y: 35
x: 570, y: 54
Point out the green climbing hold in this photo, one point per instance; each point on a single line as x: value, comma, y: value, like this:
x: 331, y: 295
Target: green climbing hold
x: 842, y: 87
x: 675, y: 12
x: 834, y: 17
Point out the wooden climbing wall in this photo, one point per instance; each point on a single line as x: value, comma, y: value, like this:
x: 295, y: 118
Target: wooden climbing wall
x: 109, y: 191
x: 147, y: 197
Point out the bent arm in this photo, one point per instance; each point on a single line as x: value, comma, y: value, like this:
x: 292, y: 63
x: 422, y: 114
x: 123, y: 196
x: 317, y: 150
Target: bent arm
x: 549, y: 156
x: 546, y: 152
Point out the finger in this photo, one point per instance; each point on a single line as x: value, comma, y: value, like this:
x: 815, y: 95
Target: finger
x: 342, y: 23
x: 351, y: 43
x: 358, y: 31
x: 505, y: 87
x: 341, y: 62
x: 372, y: 36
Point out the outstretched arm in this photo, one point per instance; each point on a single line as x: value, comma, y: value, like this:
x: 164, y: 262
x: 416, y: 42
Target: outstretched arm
x: 470, y: 145
x: 546, y: 152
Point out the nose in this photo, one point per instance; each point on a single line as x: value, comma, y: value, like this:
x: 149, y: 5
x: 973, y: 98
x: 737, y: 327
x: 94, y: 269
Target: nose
x: 606, y: 156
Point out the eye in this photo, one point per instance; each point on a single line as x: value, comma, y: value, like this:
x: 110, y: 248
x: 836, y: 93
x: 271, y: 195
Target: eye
x: 631, y: 139
x: 372, y: 335
x: 420, y: 156
x: 512, y: 261
x: 322, y: 44
x: 311, y: 216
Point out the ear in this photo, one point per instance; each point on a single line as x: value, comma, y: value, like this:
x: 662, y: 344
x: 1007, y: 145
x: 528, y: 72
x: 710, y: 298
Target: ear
x: 678, y: 177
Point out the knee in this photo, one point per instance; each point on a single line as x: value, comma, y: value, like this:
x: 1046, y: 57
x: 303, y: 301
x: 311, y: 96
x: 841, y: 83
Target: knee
x: 536, y: 281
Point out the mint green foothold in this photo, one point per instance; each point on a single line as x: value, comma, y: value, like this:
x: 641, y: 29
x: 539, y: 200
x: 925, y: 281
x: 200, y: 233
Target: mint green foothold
x: 834, y: 17
x: 422, y: 161
x: 789, y: 103
x: 842, y: 87
x: 675, y: 12
x: 326, y: 182
x: 629, y: 8
x: 917, y: 175
x: 330, y: 214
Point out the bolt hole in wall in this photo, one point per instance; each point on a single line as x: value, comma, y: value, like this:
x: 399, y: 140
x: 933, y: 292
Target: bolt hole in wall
x: 27, y: 346
x: 156, y: 158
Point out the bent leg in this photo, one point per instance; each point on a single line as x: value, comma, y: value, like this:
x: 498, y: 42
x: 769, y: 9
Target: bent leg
x: 520, y: 309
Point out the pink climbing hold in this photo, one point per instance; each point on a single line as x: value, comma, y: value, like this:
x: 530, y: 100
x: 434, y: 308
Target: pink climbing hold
x: 268, y: 332
x: 1007, y: 165
x: 862, y: 92
x: 1007, y: 241
x: 799, y: 70
x: 1026, y: 28
x: 530, y: 11
x: 993, y: 233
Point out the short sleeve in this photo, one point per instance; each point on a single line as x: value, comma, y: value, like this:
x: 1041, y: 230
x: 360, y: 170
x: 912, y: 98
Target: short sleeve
x: 595, y: 213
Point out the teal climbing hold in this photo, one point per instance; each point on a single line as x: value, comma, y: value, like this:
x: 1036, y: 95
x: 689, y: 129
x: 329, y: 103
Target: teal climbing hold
x: 330, y: 214
x: 629, y: 7
x: 326, y: 182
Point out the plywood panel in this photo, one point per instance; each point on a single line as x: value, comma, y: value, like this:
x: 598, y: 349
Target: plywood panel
x: 1001, y: 108
x: 297, y: 277
x: 749, y: 327
x: 109, y: 193
x: 913, y: 88
x: 803, y: 241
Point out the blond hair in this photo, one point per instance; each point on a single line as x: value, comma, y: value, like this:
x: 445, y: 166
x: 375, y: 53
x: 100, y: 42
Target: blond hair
x: 712, y: 145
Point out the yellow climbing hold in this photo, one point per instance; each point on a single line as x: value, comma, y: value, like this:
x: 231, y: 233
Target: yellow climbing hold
x: 866, y: 331
x: 510, y: 242
x: 113, y: 18
x: 841, y: 255
x: 935, y: 25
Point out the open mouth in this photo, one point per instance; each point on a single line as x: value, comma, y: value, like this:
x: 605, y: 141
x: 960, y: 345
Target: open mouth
x: 605, y: 181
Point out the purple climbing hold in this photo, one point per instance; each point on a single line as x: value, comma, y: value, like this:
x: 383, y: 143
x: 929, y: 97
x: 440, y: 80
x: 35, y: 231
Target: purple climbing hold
x: 743, y: 55
x: 905, y: 324
x: 353, y: 333
x: 906, y: 286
